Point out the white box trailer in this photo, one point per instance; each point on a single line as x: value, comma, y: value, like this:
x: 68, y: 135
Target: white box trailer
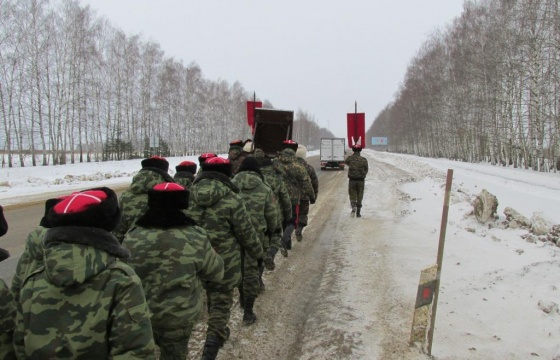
x: 333, y: 151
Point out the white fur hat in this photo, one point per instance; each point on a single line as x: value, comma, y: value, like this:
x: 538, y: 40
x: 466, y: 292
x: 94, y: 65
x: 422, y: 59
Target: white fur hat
x: 301, y: 152
x: 248, y: 146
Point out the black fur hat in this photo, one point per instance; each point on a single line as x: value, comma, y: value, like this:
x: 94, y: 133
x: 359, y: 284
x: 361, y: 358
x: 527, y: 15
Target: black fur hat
x: 156, y: 162
x: 98, y: 207
x: 356, y: 148
x: 186, y: 166
x: 250, y: 164
x: 48, y: 205
x: 217, y: 164
x: 168, y: 196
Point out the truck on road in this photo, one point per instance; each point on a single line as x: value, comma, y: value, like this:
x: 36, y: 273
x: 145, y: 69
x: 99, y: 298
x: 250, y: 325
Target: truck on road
x: 332, y: 153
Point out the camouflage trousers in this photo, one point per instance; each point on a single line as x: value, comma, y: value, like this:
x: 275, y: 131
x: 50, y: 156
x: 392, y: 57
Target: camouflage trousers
x: 173, y: 343
x: 356, y: 192
x: 250, y: 284
x: 274, y: 241
x: 303, y: 212
x: 219, y: 310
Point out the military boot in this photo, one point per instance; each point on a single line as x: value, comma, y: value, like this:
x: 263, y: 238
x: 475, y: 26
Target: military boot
x: 284, y: 251
x: 299, y: 235
x: 269, y: 259
x: 358, y: 211
x: 353, y: 213
x: 249, y: 316
x: 211, y: 347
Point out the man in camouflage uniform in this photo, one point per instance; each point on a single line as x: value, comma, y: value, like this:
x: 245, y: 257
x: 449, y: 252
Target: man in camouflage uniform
x: 172, y: 255
x: 7, y: 304
x: 301, y: 155
x: 32, y: 256
x: 260, y: 202
x: 284, y: 204
x: 297, y: 182
x: 134, y: 201
x: 185, y: 172
x: 84, y: 302
x: 215, y: 205
x: 357, y: 171
x: 236, y: 155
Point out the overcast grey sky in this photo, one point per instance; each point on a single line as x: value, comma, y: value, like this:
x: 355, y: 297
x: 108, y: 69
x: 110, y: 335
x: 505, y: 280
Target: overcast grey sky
x: 319, y: 56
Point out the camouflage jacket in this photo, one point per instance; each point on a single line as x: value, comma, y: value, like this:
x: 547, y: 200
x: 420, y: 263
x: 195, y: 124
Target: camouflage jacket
x: 260, y: 202
x: 7, y: 317
x: 30, y: 259
x: 83, y: 301
x: 312, y: 176
x: 215, y: 205
x: 134, y: 201
x: 357, y: 166
x: 172, y: 255
x: 275, y: 181
x: 184, y: 178
x: 295, y: 176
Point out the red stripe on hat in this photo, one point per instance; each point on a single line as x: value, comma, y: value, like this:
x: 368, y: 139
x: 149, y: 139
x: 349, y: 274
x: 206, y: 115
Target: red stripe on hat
x: 168, y: 186
x: 80, y: 201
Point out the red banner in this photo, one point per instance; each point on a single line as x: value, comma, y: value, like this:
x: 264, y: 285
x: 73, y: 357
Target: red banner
x: 356, y: 129
x: 251, y: 105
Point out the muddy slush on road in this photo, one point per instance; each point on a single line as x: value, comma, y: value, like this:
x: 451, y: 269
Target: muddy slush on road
x: 333, y: 297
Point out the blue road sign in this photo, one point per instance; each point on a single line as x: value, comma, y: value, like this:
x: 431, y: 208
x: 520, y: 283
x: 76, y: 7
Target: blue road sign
x: 379, y: 141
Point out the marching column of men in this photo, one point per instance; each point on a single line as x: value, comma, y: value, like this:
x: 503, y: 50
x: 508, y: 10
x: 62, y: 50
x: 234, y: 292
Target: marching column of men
x: 125, y: 278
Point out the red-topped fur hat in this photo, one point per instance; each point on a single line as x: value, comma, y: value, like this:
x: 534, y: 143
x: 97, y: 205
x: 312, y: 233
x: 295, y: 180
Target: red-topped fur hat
x: 98, y: 207
x: 157, y: 162
x: 236, y: 145
x: 290, y: 144
x: 217, y: 164
x: 202, y: 158
x: 168, y: 196
x: 186, y: 166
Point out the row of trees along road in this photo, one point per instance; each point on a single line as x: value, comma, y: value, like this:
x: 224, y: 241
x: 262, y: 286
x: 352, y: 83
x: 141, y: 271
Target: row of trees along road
x: 484, y: 89
x: 74, y: 88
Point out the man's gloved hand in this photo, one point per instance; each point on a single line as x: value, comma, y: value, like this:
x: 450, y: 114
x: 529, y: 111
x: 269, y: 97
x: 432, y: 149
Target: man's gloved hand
x: 260, y: 262
x: 312, y: 201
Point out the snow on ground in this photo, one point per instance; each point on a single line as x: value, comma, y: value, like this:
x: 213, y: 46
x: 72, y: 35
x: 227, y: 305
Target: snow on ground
x: 499, y: 293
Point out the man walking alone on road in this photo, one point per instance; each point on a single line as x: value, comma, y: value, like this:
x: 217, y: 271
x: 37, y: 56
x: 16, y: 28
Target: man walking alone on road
x: 357, y: 171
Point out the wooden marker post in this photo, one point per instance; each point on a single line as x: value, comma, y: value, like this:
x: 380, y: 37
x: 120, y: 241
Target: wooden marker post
x: 428, y: 289
x: 443, y: 228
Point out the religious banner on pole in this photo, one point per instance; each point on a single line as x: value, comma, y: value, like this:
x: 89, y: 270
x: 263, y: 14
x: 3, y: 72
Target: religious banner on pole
x: 251, y: 106
x: 356, y: 129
